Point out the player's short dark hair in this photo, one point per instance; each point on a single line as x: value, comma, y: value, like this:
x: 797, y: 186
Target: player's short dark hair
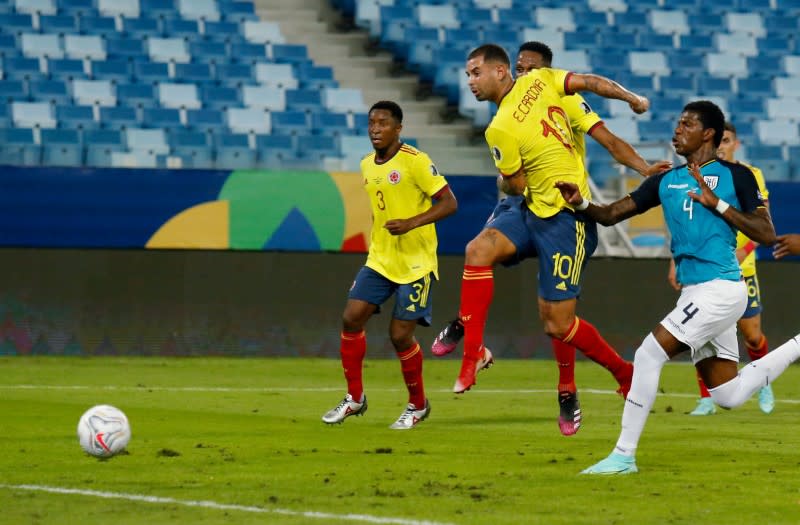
x: 490, y: 53
x: 710, y: 116
x: 538, y: 47
x: 391, y: 107
x: 730, y: 127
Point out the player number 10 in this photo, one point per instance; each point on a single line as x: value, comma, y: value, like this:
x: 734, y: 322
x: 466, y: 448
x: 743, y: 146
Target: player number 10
x: 562, y: 265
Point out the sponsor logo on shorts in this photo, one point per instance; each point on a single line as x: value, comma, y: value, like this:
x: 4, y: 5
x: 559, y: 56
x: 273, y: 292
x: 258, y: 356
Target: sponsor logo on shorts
x: 675, y: 325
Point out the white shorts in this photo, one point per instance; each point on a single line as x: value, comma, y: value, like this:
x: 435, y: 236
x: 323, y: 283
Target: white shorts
x: 705, y: 318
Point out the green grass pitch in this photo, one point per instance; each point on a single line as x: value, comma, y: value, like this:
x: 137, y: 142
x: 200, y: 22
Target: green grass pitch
x: 240, y: 441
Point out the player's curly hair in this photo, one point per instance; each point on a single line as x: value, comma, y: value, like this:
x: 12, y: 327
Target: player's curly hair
x: 710, y: 116
x: 541, y: 48
x: 391, y: 107
x: 490, y: 53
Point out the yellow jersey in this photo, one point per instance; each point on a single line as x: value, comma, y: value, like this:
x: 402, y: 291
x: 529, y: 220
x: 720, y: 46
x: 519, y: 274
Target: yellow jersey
x: 582, y: 120
x: 400, y: 188
x: 532, y: 130
x: 748, y: 264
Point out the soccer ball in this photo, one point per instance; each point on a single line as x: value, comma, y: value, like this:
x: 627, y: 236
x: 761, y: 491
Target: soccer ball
x: 103, y: 431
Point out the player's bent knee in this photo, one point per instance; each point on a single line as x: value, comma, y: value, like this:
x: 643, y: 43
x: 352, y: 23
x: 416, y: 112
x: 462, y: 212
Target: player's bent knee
x: 730, y: 394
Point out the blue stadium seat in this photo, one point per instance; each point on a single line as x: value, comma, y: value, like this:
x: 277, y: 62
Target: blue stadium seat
x: 118, y: 71
x: 179, y: 96
x: 755, y: 87
x: 234, y: 74
x: 137, y: 95
x: 61, y: 147
x: 168, y: 50
x: 221, y: 31
x: 15, y: 24
x: 697, y: 43
x: 66, y: 69
x: 234, y: 152
x: 772, y: 45
x: 205, y: 119
x: 264, y: 98
x: 789, y: 7
x: 684, y: 63
x: 588, y: 20
x: 239, y: 12
x: 17, y: 147
x: 58, y: 24
x: 88, y: 92
x: 119, y: 47
x: 8, y: 46
x: 245, y: 120
x: 162, y: 118
x: 41, y: 46
x: 303, y: 100
x: 119, y: 117
x: 104, y: 26
x: 221, y: 98
x: 81, y: 8
x: 656, y: 42
x: 141, y: 27
x: 330, y: 124
x: 476, y: 18
x: 277, y: 75
x: 121, y: 8
x: 778, y: 25
x: 274, y: 151
x: 581, y: 40
x: 248, y: 53
x: 620, y: 41
x: 160, y: 8
x: 150, y: 72
x: 76, y: 117
x: 343, y: 100
x: 19, y: 68
x: 11, y: 90
x: 150, y: 140
x: 53, y: 91
x: 763, y: 66
x: 32, y: 115
x: 656, y: 130
x: 211, y: 52
x: 290, y: 123
x: 180, y: 28
x: 262, y: 32
x: 84, y: 47
x: 747, y: 109
x: 193, y: 72
x: 714, y: 86
x: 637, y: 83
x: 199, y: 9
x: 192, y: 145
x: 317, y: 147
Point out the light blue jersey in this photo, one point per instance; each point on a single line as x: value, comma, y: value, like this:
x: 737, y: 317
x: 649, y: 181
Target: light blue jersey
x: 703, y: 243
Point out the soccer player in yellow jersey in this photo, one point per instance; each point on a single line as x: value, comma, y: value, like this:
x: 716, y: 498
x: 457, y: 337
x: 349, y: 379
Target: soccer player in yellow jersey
x: 408, y: 194
x: 750, y: 323
x: 531, y: 141
x: 583, y: 121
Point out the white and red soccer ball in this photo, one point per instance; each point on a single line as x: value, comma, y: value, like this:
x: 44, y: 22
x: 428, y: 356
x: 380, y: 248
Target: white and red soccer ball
x: 103, y: 431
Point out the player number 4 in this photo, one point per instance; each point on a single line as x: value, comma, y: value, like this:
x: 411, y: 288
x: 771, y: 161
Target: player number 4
x: 688, y: 206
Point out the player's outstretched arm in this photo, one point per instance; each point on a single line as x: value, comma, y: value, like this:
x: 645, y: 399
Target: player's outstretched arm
x: 756, y: 225
x: 607, y: 215
x: 607, y: 88
x: 626, y: 155
x: 444, y: 206
x: 788, y: 244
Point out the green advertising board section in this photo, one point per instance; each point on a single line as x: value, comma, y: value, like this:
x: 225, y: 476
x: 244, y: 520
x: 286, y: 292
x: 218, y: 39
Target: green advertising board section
x: 163, y: 302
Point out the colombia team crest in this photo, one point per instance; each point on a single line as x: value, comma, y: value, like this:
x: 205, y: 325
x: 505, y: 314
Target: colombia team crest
x: 394, y: 177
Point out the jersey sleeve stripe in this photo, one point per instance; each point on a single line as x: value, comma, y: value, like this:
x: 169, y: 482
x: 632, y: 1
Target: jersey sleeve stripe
x: 566, y: 84
x: 600, y: 123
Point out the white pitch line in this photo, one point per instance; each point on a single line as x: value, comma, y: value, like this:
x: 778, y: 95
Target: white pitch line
x: 326, y: 389
x: 221, y: 506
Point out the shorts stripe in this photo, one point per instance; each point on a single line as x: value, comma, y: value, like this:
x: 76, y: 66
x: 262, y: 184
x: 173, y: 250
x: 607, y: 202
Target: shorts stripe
x: 580, y: 252
x: 426, y: 288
